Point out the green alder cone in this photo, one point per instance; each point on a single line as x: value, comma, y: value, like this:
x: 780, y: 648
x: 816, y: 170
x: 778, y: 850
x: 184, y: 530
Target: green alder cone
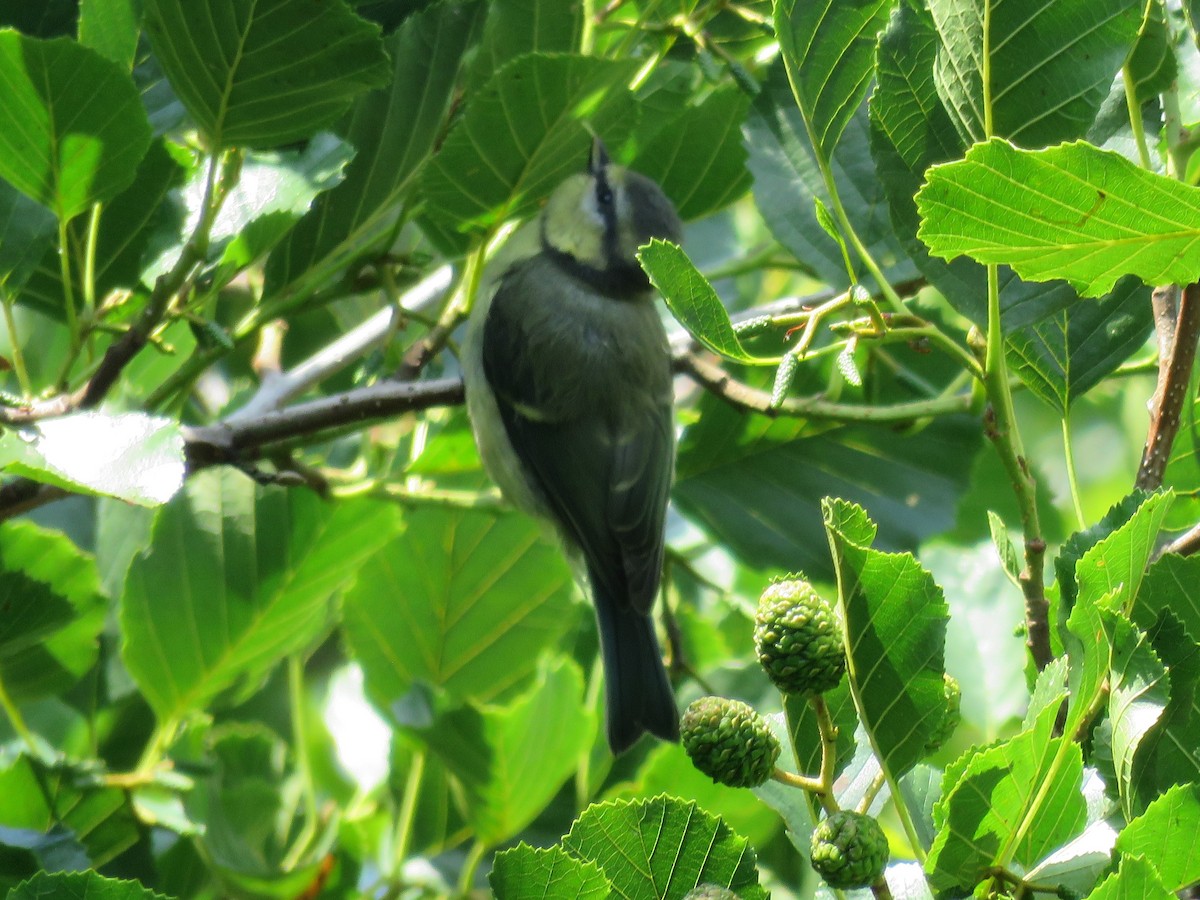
x: 798, y: 639
x: 953, y: 695
x: 729, y: 741
x: 849, y: 850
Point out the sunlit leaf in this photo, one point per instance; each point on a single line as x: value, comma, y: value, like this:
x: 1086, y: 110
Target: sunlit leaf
x: 895, y: 620
x: 130, y: 456
x: 987, y: 799
x: 692, y: 299
x: 1073, y: 212
x: 645, y: 845
x: 80, y: 886
x: 528, y: 873
x: 236, y: 577
x: 1165, y: 836
x: 828, y: 47
x: 509, y: 763
x: 459, y: 600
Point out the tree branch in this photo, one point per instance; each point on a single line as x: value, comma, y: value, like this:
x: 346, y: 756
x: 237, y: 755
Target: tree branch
x: 236, y: 438
x: 1177, y: 355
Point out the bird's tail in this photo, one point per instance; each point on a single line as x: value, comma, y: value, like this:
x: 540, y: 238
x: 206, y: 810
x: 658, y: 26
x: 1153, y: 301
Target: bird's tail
x: 638, y: 693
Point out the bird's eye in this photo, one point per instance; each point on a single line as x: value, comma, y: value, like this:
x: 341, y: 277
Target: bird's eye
x: 604, y: 195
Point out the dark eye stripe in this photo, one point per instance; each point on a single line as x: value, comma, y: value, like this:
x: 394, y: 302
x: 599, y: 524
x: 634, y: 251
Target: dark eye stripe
x: 604, y: 194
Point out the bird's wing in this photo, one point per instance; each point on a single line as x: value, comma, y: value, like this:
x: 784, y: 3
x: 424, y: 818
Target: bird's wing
x: 606, y: 476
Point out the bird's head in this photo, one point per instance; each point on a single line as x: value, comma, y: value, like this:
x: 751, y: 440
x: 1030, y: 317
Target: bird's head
x: 595, y: 221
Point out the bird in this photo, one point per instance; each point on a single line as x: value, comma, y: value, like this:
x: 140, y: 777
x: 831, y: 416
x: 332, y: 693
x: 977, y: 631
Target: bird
x: 568, y: 383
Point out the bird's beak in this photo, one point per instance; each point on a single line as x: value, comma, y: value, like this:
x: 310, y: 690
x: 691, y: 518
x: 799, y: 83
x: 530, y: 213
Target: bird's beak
x: 598, y: 160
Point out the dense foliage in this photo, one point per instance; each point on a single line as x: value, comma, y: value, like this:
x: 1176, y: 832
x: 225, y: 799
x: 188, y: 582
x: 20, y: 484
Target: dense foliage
x: 265, y: 630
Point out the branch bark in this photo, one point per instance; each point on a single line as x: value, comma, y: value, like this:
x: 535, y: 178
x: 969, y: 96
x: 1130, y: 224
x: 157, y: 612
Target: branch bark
x: 1178, y: 330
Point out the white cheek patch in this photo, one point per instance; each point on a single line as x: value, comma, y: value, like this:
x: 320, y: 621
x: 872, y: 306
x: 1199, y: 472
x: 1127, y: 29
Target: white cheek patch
x: 587, y: 206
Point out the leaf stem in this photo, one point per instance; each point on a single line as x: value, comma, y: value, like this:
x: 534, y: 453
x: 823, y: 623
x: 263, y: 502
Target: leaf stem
x: 835, y: 198
x: 299, y: 715
x: 474, y: 857
x: 406, y: 815
x: 1135, y: 117
x: 1000, y: 426
x: 164, y: 732
x: 14, y: 716
x: 89, y: 258
x: 18, y: 354
x: 1072, y: 478
x: 64, y: 268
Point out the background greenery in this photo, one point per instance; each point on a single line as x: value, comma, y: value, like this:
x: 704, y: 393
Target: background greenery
x: 265, y: 631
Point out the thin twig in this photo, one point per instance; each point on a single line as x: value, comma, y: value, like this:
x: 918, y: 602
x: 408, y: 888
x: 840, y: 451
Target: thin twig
x: 719, y: 382
x: 1174, y: 380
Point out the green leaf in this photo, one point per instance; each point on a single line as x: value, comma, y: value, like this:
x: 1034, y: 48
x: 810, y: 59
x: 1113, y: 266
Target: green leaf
x: 988, y: 797
x: 1114, y: 567
x: 72, y: 127
x: 79, y: 886
x: 131, y: 456
x: 1134, y: 880
x: 1138, y: 691
x: 393, y: 131
x: 137, y: 221
x: 53, y: 18
x: 26, y: 232
x: 517, y: 27
x: 509, y: 763
x: 265, y: 73
x: 240, y: 804
x: 235, y: 579
x: 788, y: 181
x: 523, y: 134
x: 692, y: 300
x: 911, y: 130
x: 1165, y: 836
x: 983, y: 650
x: 1065, y: 355
x: 895, y: 620
x: 1171, y: 584
x: 1050, y: 67
x: 828, y: 47
x: 1081, y: 542
x: 1081, y: 214
x: 1004, y: 546
x: 667, y: 770
x: 460, y: 600
x: 1089, y: 654
x: 645, y: 847
x: 53, y: 611
x: 68, y: 818
x: 755, y: 483
x: 697, y: 157
x: 803, y: 736
x: 1152, y: 62
x: 273, y: 190
x: 1169, y: 755
x: 526, y: 873
x: 102, y: 818
x: 112, y: 28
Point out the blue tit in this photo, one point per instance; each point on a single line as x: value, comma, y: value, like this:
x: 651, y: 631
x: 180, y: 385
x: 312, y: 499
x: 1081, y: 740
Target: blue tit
x: 568, y: 381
